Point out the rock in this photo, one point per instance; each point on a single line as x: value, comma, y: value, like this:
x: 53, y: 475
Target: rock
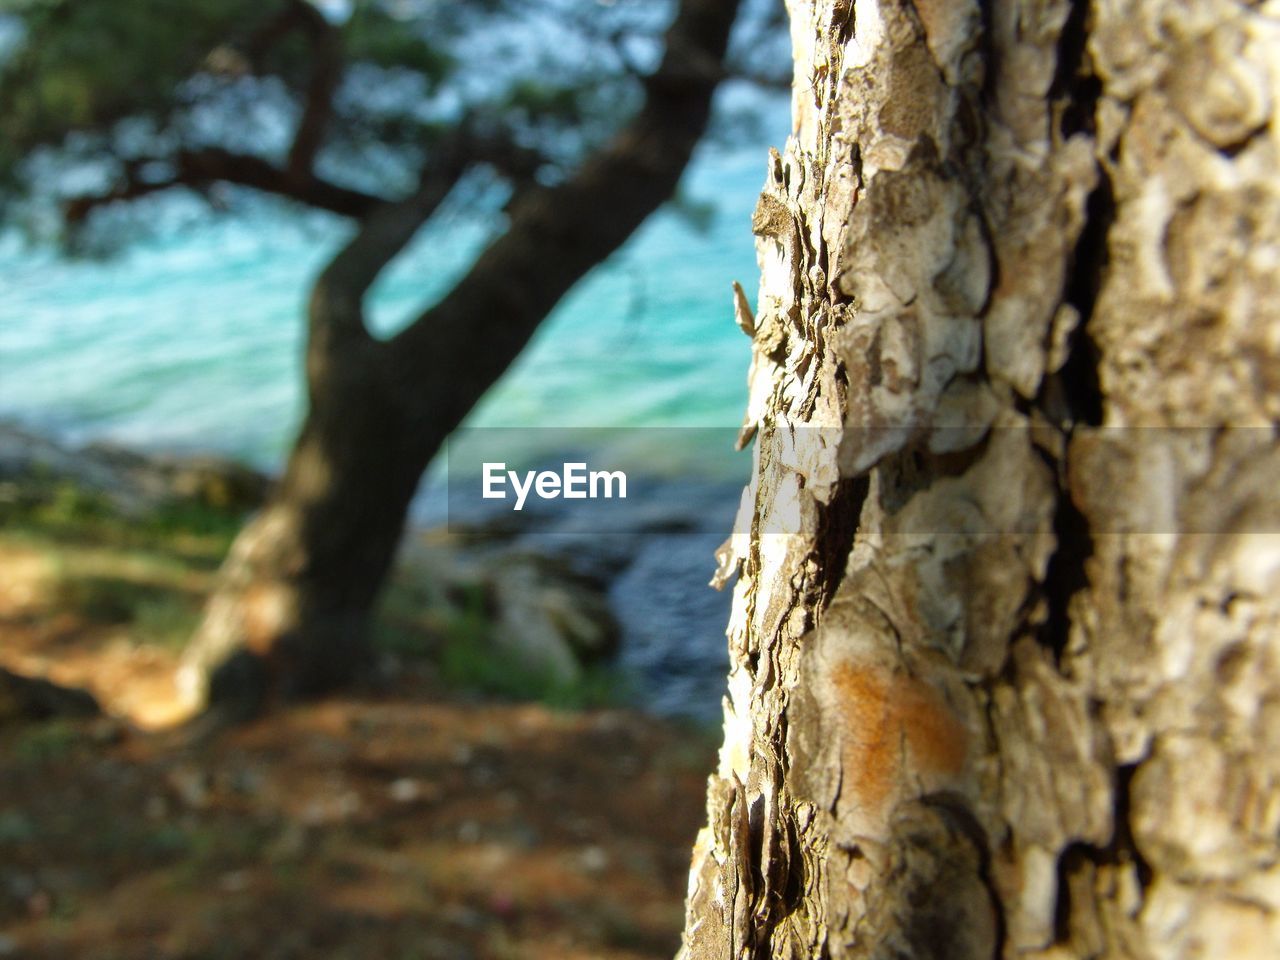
x: 405, y: 790
x: 552, y: 617
x: 216, y: 482
x: 33, y: 468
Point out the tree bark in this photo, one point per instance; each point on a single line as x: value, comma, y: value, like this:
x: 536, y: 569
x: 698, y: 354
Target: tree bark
x: 1004, y: 678
x: 295, y: 593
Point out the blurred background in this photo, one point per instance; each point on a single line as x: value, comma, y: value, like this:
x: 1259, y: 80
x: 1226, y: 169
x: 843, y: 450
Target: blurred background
x: 475, y: 795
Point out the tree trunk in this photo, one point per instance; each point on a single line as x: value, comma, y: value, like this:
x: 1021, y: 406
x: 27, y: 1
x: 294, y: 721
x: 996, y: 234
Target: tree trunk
x: 1004, y: 678
x: 290, y: 615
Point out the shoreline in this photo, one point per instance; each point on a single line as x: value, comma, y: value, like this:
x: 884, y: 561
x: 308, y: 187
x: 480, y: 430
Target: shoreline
x: 570, y: 594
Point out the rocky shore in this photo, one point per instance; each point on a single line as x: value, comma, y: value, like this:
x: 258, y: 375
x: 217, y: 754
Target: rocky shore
x: 34, y: 468
x: 560, y: 602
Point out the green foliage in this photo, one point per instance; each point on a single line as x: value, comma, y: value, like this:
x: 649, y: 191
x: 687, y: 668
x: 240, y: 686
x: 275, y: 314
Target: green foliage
x: 405, y: 623
x: 409, y: 70
x: 372, y: 35
x: 537, y: 98
x: 88, y: 63
x: 599, y: 686
x: 456, y: 633
x: 70, y: 505
x: 85, y: 65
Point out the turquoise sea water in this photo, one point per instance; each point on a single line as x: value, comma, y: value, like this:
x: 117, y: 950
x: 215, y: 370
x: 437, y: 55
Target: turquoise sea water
x: 191, y: 339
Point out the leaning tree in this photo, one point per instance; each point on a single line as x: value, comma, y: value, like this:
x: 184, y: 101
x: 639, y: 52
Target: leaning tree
x: 586, y: 114
x: 1004, y: 670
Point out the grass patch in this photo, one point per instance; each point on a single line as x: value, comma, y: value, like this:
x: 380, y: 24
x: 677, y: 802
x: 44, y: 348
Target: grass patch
x: 407, y: 622
x: 147, y: 574
x: 158, y: 601
x: 457, y: 633
x: 193, y: 532
x: 471, y: 659
x: 166, y: 621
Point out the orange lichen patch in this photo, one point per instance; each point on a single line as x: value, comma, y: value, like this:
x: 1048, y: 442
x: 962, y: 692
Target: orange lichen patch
x: 871, y: 739
x: 894, y: 729
x: 937, y: 740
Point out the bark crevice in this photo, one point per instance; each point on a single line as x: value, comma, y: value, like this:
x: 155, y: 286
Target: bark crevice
x: 1080, y: 397
x: 838, y: 528
x: 1121, y: 852
x: 1074, y: 84
x: 1067, y: 574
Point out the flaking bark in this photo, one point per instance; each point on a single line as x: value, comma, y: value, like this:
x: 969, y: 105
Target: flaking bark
x: 1004, y: 679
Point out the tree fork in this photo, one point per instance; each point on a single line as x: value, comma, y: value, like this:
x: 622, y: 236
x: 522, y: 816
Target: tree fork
x: 290, y: 612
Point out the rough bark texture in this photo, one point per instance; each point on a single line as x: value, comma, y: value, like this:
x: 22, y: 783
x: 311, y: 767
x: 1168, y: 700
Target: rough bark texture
x: 1004, y: 678
x: 296, y: 591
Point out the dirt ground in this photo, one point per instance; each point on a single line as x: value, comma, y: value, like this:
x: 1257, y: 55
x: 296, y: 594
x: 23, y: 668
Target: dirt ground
x: 410, y: 820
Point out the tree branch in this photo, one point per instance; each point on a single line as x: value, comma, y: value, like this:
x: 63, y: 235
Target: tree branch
x: 270, y: 33
x: 557, y: 235
x: 389, y: 227
x: 77, y: 209
x: 322, y: 82
x: 336, y: 309
x: 326, y: 72
x: 199, y: 168
x: 247, y: 170
x: 336, y: 298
